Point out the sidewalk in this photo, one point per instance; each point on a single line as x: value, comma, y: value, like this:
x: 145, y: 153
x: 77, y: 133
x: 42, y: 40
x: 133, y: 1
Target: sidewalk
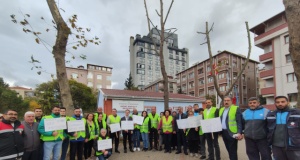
x: 160, y: 155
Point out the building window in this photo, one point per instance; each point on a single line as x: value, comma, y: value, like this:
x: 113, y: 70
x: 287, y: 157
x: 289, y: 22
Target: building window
x: 99, y: 86
x: 108, y: 69
x: 183, y: 64
x: 191, y: 75
x: 108, y: 78
x: 138, y: 65
x: 191, y: 84
x: 150, y: 67
x: 288, y: 58
x: 210, y: 79
x: 286, y: 39
x: 293, y: 97
x: 99, y: 76
x: 170, y: 51
x: 74, y: 75
x: 140, y: 71
x: 200, y: 71
x: 221, y: 75
x: 90, y: 75
x: 222, y: 88
x: 177, y: 62
x: 140, y: 54
x: 201, y: 81
x: 90, y: 84
x: 291, y: 77
x: 171, y: 55
x: 201, y: 92
x: 208, y: 68
x: 108, y: 87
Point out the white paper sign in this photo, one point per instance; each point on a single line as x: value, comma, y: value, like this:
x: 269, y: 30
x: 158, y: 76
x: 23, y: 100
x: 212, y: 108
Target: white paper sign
x: 193, y: 122
x: 114, y: 127
x: 138, y: 119
x: 54, y: 124
x: 77, y: 125
x: 122, y: 105
x: 127, y: 125
x: 211, y: 125
x: 104, y: 144
x: 182, y: 123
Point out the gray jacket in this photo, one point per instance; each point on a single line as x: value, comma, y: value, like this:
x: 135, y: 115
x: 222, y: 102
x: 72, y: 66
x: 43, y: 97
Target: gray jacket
x: 31, y: 137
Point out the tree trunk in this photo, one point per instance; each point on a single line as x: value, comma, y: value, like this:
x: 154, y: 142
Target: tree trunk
x: 292, y: 11
x: 161, y: 55
x: 59, y: 50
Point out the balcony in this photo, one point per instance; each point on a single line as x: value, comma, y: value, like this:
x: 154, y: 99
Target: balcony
x: 266, y: 56
x: 267, y: 73
x: 222, y: 81
x: 268, y: 90
x: 210, y: 84
x: 270, y: 31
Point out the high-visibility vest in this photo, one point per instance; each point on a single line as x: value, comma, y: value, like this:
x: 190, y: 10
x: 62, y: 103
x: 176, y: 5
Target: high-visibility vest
x: 200, y: 131
x: 154, y: 120
x: 59, y: 137
x: 113, y: 119
x: 96, y: 115
x: 211, y: 113
x: 167, y: 125
x: 79, y: 133
x: 136, y: 126
x: 98, y: 153
x: 92, y: 127
x: 145, y: 125
x: 231, y: 118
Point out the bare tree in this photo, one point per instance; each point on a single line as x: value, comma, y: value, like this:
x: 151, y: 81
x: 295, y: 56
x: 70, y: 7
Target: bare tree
x: 292, y: 11
x: 163, y: 21
x: 216, y: 84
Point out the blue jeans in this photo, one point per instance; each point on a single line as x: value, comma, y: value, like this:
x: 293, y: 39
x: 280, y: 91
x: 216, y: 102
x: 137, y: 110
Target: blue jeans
x: 50, y: 147
x: 102, y: 157
x: 145, y: 137
x: 136, y: 138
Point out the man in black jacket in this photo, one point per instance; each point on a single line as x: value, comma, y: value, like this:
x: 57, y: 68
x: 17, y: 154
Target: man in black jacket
x: 127, y: 134
x: 181, y: 138
x: 11, y: 136
x: 284, y: 130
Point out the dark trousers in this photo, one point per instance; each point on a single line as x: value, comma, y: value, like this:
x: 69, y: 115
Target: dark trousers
x: 202, y: 145
x: 31, y: 155
x: 127, y: 136
x: 174, y: 140
x: 153, y: 135
x: 64, y: 148
x: 281, y: 153
x: 230, y: 144
x: 76, y: 147
x: 258, y: 149
x: 181, y: 140
x: 41, y: 150
x: 115, y: 137
x: 167, y: 141
x: 213, y: 145
x: 193, y: 146
x: 87, y: 150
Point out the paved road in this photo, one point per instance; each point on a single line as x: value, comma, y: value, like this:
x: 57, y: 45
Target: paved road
x: 160, y: 155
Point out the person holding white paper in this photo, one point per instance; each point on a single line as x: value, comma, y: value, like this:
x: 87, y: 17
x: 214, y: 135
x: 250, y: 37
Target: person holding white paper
x: 127, y: 134
x: 212, y: 138
x: 181, y: 139
x: 77, y: 139
x: 192, y: 136
x: 52, y: 139
x: 105, y: 153
x: 113, y: 119
x: 166, y: 125
x: 136, y: 132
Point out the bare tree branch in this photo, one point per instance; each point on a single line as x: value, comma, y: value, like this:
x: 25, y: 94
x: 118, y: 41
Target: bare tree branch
x: 168, y: 12
x: 157, y: 13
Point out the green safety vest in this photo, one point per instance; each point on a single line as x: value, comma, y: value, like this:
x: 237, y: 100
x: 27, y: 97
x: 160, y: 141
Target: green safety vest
x: 211, y: 113
x: 96, y: 115
x: 59, y: 137
x: 113, y: 119
x: 136, y: 126
x: 145, y: 125
x: 167, y: 125
x: 154, y: 120
x: 200, y: 131
x: 92, y: 129
x: 98, y: 153
x: 231, y: 118
x: 79, y: 133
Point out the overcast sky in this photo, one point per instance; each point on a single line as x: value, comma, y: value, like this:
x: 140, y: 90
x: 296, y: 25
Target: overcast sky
x: 114, y: 21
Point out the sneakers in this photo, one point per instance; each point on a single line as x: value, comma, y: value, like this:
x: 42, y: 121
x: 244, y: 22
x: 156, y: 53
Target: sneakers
x: 192, y: 154
x: 138, y: 149
x: 196, y: 155
x: 134, y: 149
x: 203, y: 157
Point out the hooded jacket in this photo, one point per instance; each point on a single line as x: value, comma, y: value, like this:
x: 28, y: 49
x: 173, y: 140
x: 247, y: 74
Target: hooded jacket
x: 11, y: 140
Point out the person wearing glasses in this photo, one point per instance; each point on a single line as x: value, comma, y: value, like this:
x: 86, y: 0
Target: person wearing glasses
x: 11, y: 136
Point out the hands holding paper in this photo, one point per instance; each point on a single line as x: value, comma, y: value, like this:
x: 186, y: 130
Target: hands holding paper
x: 75, y: 134
x: 54, y: 133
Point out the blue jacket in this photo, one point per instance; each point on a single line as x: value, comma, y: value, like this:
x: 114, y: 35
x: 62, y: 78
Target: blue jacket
x: 255, y: 124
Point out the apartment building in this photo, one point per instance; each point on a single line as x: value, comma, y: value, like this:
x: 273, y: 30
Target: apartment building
x: 23, y: 92
x: 272, y: 37
x: 93, y: 76
x: 158, y: 86
x: 197, y: 80
x: 145, y: 63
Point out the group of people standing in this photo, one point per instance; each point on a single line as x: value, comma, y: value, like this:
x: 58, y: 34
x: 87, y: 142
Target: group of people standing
x: 264, y: 131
